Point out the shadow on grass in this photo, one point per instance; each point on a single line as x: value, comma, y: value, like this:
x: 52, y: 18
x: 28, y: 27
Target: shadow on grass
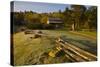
x: 84, y: 44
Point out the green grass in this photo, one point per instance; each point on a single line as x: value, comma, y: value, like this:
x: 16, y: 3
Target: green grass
x: 89, y: 33
x: 28, y: 51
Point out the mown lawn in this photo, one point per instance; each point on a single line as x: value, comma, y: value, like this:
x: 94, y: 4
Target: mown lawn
x: 28, y: 51
x: 35, y: 50
x: 89, y: 33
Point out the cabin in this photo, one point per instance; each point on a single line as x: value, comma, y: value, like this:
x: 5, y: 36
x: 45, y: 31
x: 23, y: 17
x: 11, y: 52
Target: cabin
x: 55, y: 22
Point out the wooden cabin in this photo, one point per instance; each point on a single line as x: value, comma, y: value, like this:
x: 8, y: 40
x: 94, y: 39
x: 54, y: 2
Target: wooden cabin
x: 55, y: 22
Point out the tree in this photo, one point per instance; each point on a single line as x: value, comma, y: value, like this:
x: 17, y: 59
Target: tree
x: 44, y: 20
x: 77, y: 13
x: 60, y: 12
x: 91, y: 15
x: 67, y: 19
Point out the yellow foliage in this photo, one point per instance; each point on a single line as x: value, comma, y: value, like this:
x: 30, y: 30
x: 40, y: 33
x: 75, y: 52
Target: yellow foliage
x: 58, y: 48
x: 44, y: 19
x: 52, y: 54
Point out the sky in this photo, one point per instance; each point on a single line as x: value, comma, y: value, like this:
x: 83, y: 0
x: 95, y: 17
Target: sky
x: 39, y: 7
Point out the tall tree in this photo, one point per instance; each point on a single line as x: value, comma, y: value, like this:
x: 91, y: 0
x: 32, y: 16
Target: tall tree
x: 91, y: 15
x: 77, y: 13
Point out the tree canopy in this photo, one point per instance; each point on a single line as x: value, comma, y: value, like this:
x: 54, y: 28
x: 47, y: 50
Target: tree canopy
x: 75, y: 18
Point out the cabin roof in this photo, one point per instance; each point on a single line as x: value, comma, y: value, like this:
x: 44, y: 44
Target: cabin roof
x: 55, y: 20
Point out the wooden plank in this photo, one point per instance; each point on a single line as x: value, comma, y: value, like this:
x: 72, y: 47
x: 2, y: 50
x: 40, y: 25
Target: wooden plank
x: 82, y: 53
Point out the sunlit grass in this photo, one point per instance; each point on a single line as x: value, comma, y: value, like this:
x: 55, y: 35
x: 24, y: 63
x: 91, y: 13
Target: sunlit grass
x: 89, y: 33
x: 28, y: 51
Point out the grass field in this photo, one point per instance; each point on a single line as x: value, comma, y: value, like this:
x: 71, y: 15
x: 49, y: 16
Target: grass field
x: 94, y: 34
x: 35, y: 51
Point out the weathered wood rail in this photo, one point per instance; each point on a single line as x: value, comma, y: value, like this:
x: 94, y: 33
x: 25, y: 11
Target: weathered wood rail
x: 74, y: 53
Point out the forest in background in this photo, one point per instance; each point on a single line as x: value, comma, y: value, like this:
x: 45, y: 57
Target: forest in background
x: 76, y: 18
x: 34, y: 41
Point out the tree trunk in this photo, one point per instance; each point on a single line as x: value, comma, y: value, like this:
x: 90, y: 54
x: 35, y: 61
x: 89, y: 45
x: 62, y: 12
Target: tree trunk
x: 73, y: 27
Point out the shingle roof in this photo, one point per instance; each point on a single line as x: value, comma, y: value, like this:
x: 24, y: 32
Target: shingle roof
x: 55, y: 20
